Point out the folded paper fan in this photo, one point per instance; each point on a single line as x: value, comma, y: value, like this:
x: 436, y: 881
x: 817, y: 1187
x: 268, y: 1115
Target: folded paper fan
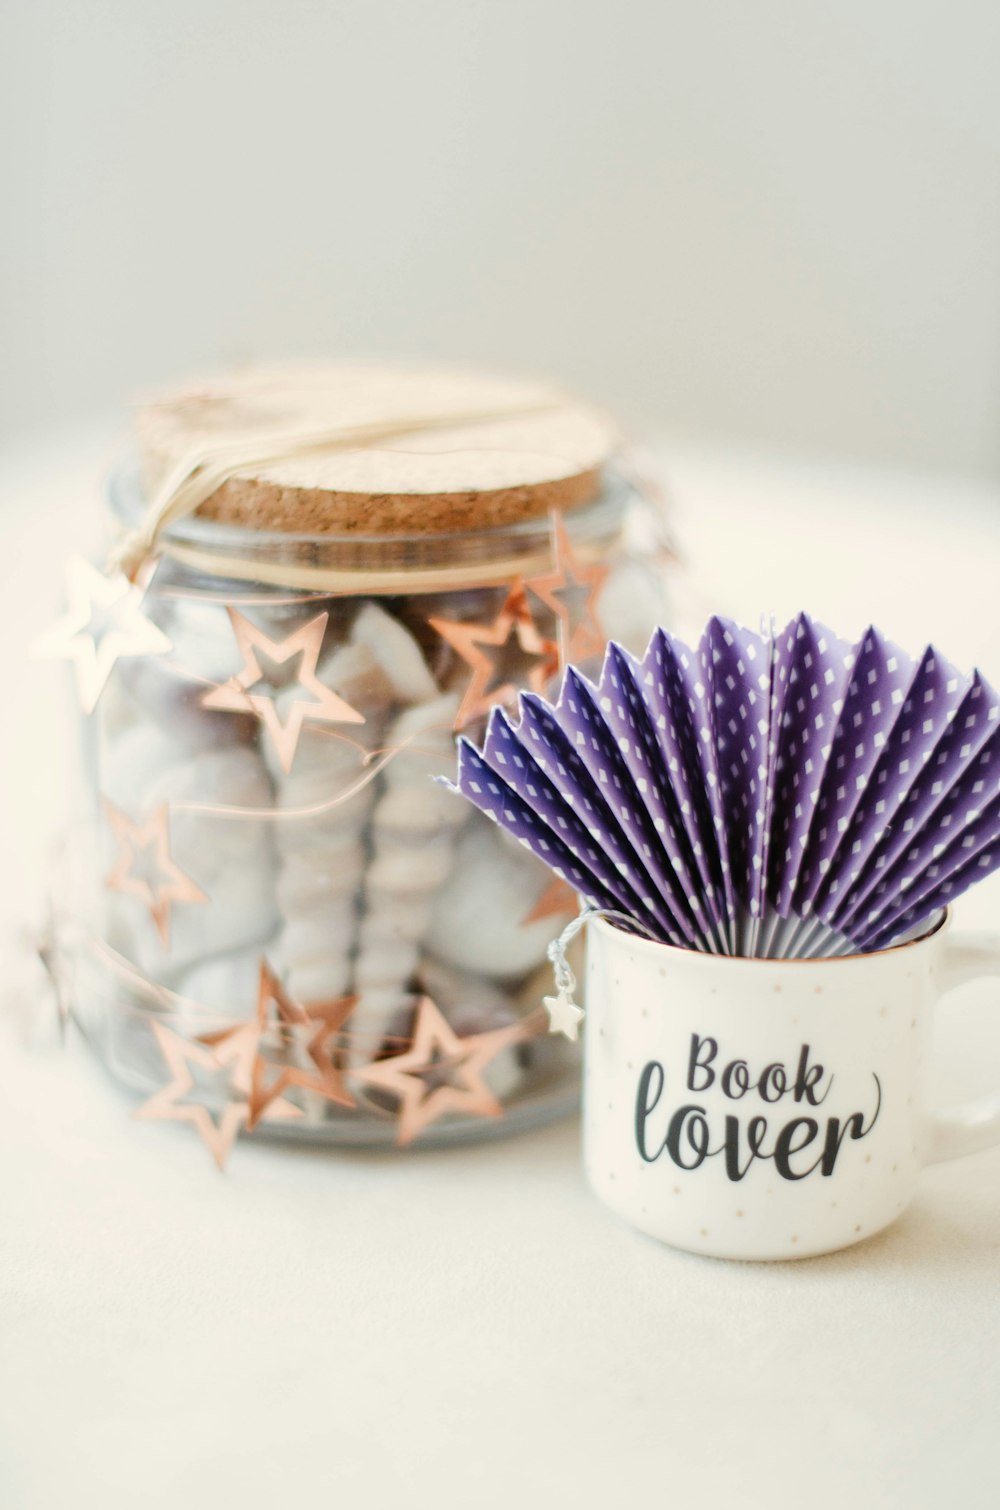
x: 780, y: 794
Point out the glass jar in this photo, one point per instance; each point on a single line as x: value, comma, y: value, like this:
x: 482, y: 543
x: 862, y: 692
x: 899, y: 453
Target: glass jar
x: 275, y: 908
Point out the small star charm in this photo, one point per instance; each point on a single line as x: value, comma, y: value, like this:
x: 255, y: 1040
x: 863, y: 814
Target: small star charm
x: 505, y: 656
x: 104, y: 622
x: 299, y: 652
x: 564, y: 1015
x: 144, y: 867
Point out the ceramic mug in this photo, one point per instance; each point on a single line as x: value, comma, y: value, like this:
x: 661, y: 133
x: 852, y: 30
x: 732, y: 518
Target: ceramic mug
x: 769, y: 1109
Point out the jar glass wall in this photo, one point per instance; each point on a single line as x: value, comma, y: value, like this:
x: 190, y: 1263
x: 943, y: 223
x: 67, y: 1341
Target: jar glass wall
x: 269, y: 863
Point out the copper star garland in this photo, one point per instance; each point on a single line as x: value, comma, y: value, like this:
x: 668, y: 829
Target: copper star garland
x: 104, y: 622
x: 435, y: 1050
x: 505, y: 655
x: 571, y: 592
x: 558, y: 900
x: 317, y: 1026
x: 319, y: 705
x: 169, y: 884
x: 230, y: 1059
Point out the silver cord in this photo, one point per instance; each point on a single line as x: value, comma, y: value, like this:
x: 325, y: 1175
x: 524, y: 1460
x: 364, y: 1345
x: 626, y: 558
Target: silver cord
x: 564, y: 978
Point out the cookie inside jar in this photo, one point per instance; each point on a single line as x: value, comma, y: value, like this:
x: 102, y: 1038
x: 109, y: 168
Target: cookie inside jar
x: 351, y: 565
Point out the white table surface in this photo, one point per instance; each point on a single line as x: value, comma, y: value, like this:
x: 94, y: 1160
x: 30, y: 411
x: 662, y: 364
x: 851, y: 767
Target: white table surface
x: 471, y: 1327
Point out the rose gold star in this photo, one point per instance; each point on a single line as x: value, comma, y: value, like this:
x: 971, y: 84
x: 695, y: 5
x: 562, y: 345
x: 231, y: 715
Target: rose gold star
x: 231, y: 1060
x: 319, y: 705
x: 318, y: 1025
x: 558, y: 900
x: 505, y: 656
x: 571, y: 592
x: 104, y: 622
x: 144, y: 867
x: 437, y: 1050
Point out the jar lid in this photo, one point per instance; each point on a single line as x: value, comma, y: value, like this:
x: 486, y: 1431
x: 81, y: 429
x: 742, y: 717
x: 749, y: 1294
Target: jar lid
x: 450, y: 449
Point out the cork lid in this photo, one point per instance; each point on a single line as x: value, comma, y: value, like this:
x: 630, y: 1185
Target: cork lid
x: 412, y: 450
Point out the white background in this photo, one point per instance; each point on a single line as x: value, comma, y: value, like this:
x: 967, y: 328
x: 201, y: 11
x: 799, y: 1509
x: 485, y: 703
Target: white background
x: 769, y: 222
x: 766, y: 225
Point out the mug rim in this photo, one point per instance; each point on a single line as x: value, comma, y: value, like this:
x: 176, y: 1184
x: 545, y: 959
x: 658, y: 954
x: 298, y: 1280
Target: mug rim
x: 615, y: 930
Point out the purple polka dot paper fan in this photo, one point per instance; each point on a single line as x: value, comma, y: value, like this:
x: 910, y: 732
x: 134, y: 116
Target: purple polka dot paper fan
x: 491, y: 794
x: 736, y: 668
x: 812, y: 671
x: 668, y: 675
x: 944, y: 884
x: 925, y: 806
x: 783, y: 793
x: 965, y: 823
x: 907, y: 749
x: 879, y: 680
x: 617, y: 772
x: 630, y: 720
x: 574, y: 814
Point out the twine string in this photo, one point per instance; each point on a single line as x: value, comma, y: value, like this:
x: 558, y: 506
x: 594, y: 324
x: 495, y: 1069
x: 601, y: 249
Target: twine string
x: 562, y: 971
x: 204, y: 469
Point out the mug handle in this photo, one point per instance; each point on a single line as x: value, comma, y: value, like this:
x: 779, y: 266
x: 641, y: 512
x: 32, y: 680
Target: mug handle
x: 975, y: 1125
